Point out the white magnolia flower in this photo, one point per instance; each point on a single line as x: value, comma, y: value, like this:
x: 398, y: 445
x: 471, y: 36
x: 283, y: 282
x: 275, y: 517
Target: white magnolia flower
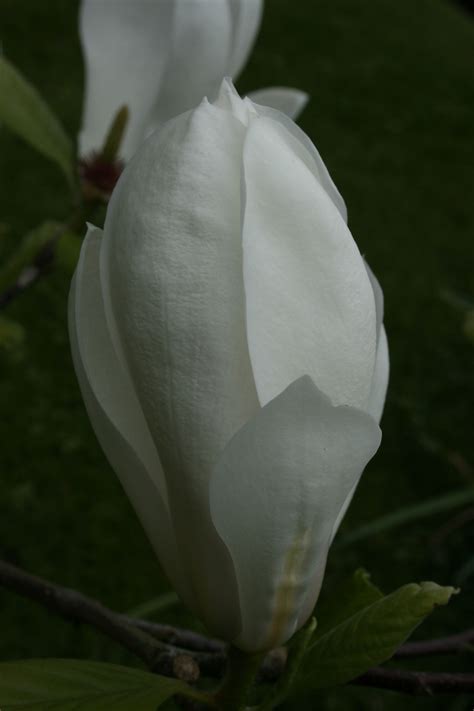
x: 160, y: 57
x: 229, y: 345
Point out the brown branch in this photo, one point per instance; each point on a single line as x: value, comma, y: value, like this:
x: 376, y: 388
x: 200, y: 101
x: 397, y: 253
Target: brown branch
x: 415, y: 682
x: 185, y: 654
x: 455, y: 644
x: 179, y: 637
x: 72, y: 605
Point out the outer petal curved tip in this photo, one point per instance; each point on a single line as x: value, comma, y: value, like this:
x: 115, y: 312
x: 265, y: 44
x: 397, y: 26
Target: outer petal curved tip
x: 378, y: 298
x: 275, y: 495
x: 380, y: 377
x: 379, y: 387
x: 289, y: 101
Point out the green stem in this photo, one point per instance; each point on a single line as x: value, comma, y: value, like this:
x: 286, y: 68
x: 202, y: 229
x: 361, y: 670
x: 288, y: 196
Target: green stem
x: 298, y: 647
x: 113, y: 140
x: 241, y: 672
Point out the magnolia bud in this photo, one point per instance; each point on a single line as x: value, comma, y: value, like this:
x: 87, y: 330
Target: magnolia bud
x: 228, y: 340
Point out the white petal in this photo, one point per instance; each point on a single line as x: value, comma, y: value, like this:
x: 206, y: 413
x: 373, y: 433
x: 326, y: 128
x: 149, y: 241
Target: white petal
x: 310, y: 306
x: 172, y: 266
x: 275, y: 494
x: 378, y: 297
x: 379, y: 386
x: 289, y: 101
x: 228, y: 99
x: 126, y: 49
x: 375, y: 405
x: 246, y: 18
x: 115, y: 413
x: 200, y: 46
x: 378, y: 390
x: 307, y: 151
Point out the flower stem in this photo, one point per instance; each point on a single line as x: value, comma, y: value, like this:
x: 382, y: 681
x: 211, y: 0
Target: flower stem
x: 298, y: 647
x: 241, y: 672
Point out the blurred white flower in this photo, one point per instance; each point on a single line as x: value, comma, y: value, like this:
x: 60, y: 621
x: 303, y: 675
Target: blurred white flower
x: 228, y: 341
x: 160, y: 57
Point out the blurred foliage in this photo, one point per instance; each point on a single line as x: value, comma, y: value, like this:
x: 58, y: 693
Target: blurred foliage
x: 25, y: 252
x: 59, y: 684
x: 392, y: 90
x: 12, y: 337
x: 24, y: 112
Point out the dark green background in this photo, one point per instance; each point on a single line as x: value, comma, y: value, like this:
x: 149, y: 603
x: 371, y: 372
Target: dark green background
x: 391, y: 111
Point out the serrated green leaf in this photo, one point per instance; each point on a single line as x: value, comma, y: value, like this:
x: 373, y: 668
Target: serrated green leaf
x: 76, y: 685
x: 25, y: 113
x: 370, y: 636
x: 344, y: 600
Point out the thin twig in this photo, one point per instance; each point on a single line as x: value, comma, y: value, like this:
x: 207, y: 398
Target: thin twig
x: 174, y: 651
x: 453, y: 524
x: 455, y: 644
x: 178, y: 637
x: 416, y: 682
x: 77, y: 607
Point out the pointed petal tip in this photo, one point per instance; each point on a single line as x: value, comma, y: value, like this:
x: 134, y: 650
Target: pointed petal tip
x: 229, y: 84
x: 304, y: 390
x: 226, y: 90
x: 229, y: 100
x: 91, y: 229
x: 305, y: 387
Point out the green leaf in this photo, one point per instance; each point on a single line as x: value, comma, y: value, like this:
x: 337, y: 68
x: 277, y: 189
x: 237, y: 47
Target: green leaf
x: 26, y: 252
x: 370, y: 636
x: 75, y: 685
x: 344, y: 600
x: 25, y: 113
